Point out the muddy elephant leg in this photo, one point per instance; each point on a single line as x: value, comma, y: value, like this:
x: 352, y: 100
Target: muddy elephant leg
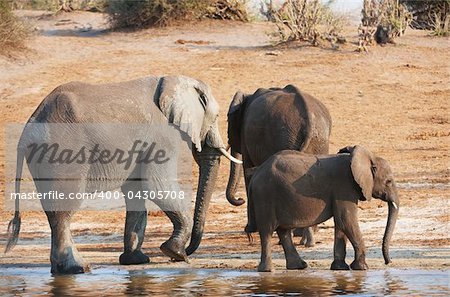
x: 135, y: 223
x: 340, y: 242
x: 64, y: 256
x: 293, y: 260
x: 266, y: 251
x: 348, y: 223
x: 174, y: 247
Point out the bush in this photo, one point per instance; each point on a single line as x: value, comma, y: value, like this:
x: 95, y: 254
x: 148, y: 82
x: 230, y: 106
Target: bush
x: 13, y: 32
x: 389, y: 16
x: 64, y: 5
x: 430, y: 15
x: 146, y: 13
x: 227, y: 10
x: 306, y: 20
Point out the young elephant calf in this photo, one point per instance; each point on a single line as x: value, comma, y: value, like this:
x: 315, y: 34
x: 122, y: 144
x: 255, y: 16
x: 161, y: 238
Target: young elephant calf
x: 292, y: 189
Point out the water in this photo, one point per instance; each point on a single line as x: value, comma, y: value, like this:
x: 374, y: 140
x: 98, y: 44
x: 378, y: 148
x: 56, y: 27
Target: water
x: 113, y: 281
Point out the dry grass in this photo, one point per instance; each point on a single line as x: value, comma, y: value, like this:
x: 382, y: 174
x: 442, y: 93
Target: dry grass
x: 13, y: 32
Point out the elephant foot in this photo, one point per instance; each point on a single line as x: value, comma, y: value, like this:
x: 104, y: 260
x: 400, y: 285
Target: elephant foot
x: 263, y: 267
x: 135, y: 257
x: 296, y: 265
x: 69, y: 262
x: 339, y: 265
x: 174, y: 251
x: 359, y: 265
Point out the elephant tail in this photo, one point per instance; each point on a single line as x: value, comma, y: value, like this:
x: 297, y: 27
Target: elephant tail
x: 14, y: 224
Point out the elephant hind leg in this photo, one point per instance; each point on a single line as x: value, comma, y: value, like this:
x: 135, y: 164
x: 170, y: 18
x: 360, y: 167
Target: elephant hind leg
x: 293, y: 260
x: 135, y: 224
x: 266, y: 251
x: 64, y: 256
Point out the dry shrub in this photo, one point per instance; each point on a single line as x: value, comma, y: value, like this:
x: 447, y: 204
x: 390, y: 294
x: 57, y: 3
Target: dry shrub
x: 227, y: 10
x: 61, y: 5
x: 440, y: 24
x: 13, y: 32
x: 430, y: 15
x: 307, y: 20
x: 389, y: 14
x: 146, y: 13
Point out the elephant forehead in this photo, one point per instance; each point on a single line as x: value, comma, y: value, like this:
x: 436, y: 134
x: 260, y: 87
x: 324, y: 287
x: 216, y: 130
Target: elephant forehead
x: 383, y: 167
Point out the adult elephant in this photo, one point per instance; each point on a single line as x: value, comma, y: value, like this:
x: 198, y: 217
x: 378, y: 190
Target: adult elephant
x: 269, y: 121
x: 153, y: 103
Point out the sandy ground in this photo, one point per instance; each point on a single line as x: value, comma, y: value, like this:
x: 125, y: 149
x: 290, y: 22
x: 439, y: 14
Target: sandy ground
x: 393, y: 100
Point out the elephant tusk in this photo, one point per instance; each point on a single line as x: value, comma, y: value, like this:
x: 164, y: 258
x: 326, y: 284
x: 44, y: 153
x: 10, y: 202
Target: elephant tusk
x: 230, y: 157
x: 394, y: 205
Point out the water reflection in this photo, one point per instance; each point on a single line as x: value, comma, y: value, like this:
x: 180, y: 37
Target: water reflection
x: 214, y: 282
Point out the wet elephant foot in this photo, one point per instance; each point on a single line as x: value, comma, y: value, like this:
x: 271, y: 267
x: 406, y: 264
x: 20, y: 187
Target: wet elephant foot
x: 264, y: 267
x: 296, y: 265
x: 339, y: 265
x: 174, y: 251
x: 69, y: 262
x: 359, y: 265
x: 133, y: 258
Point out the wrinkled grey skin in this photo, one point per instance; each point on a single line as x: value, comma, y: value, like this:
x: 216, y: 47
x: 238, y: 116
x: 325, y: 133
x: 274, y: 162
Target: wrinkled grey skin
x: 305, y: 190
x: 271, y: 120
x: 153, y: 100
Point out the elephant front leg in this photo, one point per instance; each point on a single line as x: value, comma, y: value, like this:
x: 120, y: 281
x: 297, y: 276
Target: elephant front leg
x: 348, y: 223
x: 64, y: 256
x: 135, y: 224
x: 340, y: 242
x: 293, y: 260
x: 174, y: 247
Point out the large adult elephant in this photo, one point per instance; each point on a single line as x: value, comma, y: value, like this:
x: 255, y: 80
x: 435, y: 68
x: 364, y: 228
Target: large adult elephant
x: 152, y: 102
x: 269, y: 121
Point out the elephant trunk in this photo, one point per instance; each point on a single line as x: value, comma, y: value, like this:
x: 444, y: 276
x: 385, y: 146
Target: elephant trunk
x: 209, y: 162
x: 233, y: 180
x: 392, y: 219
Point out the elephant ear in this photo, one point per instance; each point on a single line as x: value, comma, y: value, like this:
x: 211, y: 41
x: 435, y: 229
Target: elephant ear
x: 183, y: 101
x: 235, y: 113
x: 362, y: 170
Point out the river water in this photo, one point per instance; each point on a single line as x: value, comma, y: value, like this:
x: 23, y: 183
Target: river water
x: 117, y: 281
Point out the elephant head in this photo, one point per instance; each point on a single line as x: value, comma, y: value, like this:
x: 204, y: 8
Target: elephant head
x: 374, y: 177
x: 189, y: 104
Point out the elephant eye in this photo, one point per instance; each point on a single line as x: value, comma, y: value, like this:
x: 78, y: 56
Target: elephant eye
x: 388, y: 182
